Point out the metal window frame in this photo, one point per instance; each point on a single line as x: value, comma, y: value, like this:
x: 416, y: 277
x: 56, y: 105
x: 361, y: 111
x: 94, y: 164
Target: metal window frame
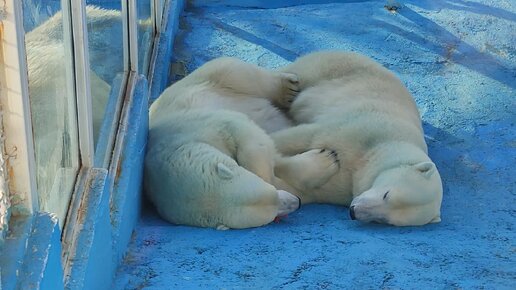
x: 82, y: 80
x: 70, y: 233
x: 133, y: 35
x: 17, y: 122
x: 132, y: 25
x: 19, y: 143
x: 135, y: 85
x: 157, y: 16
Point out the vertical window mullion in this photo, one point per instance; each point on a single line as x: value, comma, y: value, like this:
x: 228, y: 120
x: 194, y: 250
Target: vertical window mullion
x: 82, y: 80
x: 133, y: 36
x: 125, y: 23
x: 154, y: 16
x: 16, y: 118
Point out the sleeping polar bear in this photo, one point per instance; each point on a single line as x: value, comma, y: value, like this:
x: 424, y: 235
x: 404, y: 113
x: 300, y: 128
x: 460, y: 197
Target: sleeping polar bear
x: 208, y: 162
x: 357, y: 107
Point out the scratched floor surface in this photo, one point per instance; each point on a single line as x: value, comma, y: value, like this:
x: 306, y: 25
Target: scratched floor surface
x: 458, y: 57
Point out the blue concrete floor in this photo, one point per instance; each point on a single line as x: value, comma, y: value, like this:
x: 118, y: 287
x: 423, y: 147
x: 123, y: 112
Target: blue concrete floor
x: 458, y: 57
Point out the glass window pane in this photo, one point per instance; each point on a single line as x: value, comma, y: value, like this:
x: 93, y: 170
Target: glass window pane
x: 145, y: 34
x: 106, y: 52
x: 52, y: 103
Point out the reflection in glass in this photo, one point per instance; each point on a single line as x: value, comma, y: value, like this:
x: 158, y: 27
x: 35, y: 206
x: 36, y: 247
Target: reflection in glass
x: 105, y: 41
x: 52, y: 103
x: 145, y: 34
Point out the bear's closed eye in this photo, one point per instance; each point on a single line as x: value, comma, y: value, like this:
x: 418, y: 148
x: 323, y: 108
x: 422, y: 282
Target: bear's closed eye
x: 385, y: 195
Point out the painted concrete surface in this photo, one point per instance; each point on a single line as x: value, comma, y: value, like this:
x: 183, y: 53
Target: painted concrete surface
x: 39, y: 267
x: 458, y: 58
x: 89, y: 262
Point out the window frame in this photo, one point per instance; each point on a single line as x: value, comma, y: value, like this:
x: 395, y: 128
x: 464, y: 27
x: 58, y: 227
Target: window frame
x: 105, y: 203
x: 70, y: 233
x: 17, y: 121
x: 132, y: 24
x: 19, y: 143
x: 82, y: 80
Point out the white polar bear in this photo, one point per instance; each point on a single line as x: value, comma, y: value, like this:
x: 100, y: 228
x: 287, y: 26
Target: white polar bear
x: 357, y: 107
x: 208, y: 162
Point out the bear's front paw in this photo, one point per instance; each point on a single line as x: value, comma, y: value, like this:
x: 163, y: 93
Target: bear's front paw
x: 313, y: 168
x: 289, y: 90
x: 325, y: 160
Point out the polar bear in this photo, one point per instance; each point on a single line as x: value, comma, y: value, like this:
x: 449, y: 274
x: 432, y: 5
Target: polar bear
x: 209, y: 163
x: 355, y: 106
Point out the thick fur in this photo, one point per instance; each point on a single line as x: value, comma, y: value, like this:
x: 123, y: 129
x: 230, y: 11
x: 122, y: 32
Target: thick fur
x: 356, y: 107
x: 192, y: 177
x: 209, y: 163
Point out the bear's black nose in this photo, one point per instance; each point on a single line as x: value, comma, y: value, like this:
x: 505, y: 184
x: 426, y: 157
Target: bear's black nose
x: 298, y: 202
x: 352, y: 212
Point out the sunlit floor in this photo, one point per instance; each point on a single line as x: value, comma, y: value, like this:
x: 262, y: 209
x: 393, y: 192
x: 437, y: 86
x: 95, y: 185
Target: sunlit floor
x: 458, y: 58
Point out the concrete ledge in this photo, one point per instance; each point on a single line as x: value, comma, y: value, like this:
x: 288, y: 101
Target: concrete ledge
x: 126, y: 197
x: 89, y: 268
x: 33, y: 251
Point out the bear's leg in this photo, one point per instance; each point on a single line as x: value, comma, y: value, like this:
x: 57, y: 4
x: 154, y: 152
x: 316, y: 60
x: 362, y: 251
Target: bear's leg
x: 251, y: 202
x: 284, y: 89
x: 249, y: 80
x: 295, y: 140
x: 307, y: 170
x: 257, y: 157
x: 257, y: 154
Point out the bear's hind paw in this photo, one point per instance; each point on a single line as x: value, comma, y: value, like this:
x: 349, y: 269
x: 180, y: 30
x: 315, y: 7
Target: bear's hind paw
x: 289, y: 90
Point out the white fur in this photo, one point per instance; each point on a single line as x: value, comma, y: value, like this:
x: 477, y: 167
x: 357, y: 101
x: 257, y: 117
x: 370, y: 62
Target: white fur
x: 209, y: 163
x: 192, y: 177
x: 230, y: 84
x: 358, y: 108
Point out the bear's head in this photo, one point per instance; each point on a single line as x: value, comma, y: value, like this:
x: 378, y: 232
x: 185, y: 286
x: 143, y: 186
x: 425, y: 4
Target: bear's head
x: 408, y: 195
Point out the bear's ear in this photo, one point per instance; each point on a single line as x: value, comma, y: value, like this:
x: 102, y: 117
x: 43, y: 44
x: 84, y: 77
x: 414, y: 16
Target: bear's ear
x: 426, y: 168
x: 223, y: 171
